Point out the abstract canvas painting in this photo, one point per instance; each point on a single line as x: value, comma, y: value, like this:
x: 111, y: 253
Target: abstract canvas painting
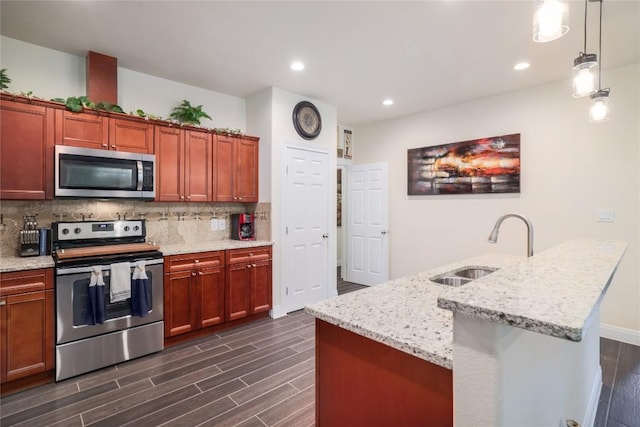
x: 487, y: 165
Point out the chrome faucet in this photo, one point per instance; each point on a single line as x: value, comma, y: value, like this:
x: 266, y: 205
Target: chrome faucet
x: 493, y: 237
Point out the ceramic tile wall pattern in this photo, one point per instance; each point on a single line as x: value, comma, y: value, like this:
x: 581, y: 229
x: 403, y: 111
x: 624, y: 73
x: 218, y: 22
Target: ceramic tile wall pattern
x: 167, y: 223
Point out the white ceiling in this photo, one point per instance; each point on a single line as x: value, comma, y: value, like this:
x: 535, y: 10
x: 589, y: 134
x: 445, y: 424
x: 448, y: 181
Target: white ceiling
x: 424, y: 55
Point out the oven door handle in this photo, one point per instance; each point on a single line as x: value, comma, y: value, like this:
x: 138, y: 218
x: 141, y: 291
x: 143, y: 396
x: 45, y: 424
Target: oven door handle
x: 89, y: 269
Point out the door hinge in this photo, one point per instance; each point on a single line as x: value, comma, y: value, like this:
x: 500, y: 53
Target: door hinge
x: 287, y: 291
x: 286, y: 230
x: 286, y: 170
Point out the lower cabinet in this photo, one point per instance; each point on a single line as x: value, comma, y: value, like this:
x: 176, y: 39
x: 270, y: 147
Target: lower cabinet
x: 211, y: 288
x: 193, y: 292
x: 26, y: 324
x: 248, y: 285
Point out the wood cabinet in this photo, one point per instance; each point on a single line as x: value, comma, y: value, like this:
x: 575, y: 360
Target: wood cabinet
x: 97, y: 130
x: 26, y: 324
x: 248, y: 287
x: 26, y: 151
x: 236, y: 169
x: 184, y: 165
x: 193, y: 292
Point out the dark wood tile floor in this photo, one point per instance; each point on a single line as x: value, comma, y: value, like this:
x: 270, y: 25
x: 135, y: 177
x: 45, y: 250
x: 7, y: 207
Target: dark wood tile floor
x: 260, y: 374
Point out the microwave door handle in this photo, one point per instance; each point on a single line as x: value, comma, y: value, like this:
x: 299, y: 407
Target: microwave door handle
x: 140, y: 175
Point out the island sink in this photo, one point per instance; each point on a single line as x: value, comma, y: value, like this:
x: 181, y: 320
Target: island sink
x: 462, y: 276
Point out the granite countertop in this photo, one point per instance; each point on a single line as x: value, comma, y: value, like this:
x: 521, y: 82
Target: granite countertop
x: 553, y: 293
x: 404, y: 313
x: 16, y: 263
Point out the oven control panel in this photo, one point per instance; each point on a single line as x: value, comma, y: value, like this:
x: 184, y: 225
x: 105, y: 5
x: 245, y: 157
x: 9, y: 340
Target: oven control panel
x: 99, y: 229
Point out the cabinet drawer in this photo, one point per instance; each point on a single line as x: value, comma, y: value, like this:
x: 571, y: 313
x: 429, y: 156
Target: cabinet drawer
x: 18, y: 282
x: 191, y: 261
x: 235, y: 256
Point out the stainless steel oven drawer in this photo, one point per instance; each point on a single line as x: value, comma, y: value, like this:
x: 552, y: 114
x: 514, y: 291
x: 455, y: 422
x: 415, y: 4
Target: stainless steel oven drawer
x: 87, y: 355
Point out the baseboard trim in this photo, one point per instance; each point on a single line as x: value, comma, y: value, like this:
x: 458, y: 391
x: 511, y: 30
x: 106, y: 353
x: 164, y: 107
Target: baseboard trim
x: 617, y: 333
x: 277, y: 312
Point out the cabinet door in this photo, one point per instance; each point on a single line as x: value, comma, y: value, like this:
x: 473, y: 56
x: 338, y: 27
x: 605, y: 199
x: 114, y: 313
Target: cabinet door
x: 198, y: 166
x: 224, y: 169
x: 82, y: 129
x: 246, y: 173
x: 211, y: 294
x: 261, y: 286
x: 179, y: 310
x: 169, y: 149
x: 130, y: 135
x: 29, y: 334
x: 26, y: 151
x: 3, y: 339
x: 238, y: 304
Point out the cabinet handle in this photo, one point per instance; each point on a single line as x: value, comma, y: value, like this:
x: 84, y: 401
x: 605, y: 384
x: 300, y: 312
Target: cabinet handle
x: 200, y: 273
x: 253, y: 265
x: 104, y: 145
x: 196, y: 260
x: 188, y: 197
x: 239, y: 198
x: 3, y: 302
x: 181, y: 197
x: 193, y: 273
x: 248, y: 265
x: 113, y: 146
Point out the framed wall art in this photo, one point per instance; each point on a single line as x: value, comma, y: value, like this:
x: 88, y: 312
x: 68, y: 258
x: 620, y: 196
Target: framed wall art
x: 487, y: 165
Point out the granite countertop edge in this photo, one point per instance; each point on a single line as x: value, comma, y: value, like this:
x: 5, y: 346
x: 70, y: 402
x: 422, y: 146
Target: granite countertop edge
x: 15, y: 263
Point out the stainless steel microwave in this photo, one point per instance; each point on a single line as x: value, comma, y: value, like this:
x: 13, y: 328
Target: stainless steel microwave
x: 87, y: 172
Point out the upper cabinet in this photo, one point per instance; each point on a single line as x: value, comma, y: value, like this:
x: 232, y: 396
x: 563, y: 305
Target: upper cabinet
x: 236, y: 169
x: 95, y: 130
x: 26, y: 151
x: 184, y: 165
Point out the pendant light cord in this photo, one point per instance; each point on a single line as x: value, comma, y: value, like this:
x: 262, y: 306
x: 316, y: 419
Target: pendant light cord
x: 585, y: 26
x: 600, y: 50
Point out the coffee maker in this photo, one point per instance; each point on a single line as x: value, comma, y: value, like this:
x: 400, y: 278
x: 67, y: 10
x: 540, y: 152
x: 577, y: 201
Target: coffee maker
x: 242, y: 227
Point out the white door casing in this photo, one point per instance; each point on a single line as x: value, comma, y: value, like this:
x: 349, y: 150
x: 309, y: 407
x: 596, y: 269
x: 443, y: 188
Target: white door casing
x: 305, y: 251
x: 367, y: 224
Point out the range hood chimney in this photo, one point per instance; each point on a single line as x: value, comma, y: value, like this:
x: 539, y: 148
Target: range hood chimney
x: 102, y: 78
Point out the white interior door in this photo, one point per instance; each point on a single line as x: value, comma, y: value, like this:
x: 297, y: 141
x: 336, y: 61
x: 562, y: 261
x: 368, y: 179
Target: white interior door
x: 367, y: 224
x: 306, y: 245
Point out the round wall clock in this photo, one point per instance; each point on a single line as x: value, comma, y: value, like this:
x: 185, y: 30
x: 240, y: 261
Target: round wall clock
x: 306, y: 120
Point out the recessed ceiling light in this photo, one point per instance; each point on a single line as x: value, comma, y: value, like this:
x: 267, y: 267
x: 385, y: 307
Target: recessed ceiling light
x: 387, y: 102
x: 297, y: 66
x: 521, y: 66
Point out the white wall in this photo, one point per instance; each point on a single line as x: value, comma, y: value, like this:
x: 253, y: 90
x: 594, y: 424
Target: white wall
x: 283, y: 133
x: 570, y: 168
x: 53, y: 74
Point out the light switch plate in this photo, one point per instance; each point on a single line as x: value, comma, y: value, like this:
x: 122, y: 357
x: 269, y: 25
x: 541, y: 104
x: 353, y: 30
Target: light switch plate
x: 214, y: 224
x: 222, y: 224
x: 605, y: 215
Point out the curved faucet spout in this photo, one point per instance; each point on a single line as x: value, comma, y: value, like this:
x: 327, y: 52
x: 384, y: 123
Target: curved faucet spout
x: 493, y: 237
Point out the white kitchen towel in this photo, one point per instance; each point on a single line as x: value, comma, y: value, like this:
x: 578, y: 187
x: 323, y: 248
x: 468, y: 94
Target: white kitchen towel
x: 139, y: 272
x: 96, y: 276
x: 120, y: 282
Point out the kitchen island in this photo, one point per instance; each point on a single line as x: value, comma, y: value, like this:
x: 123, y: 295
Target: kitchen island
x: 528, y: 329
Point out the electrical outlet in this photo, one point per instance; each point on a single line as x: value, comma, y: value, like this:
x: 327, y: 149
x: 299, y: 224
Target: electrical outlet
x: 222, y: 224
x: 604, y: 215
x: 214, y: 224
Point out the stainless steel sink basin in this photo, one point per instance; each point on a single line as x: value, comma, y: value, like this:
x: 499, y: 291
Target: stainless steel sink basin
x: 451, y: 280
x: 474, y: 272
x: 462, y: 276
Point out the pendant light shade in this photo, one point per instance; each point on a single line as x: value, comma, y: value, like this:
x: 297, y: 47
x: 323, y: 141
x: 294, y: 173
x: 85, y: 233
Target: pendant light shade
x: 550, y: 20
x: 585, y: 74
x: 599, y: 111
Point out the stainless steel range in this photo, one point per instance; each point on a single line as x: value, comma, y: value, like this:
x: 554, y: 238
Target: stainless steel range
x: 109, y: 294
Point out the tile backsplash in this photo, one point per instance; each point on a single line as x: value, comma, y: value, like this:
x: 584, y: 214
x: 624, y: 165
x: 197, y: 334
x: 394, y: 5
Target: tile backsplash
x: 167, y: 223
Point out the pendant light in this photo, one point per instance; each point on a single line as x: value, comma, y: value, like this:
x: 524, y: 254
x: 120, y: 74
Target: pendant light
x: 550, y: 20
x: 585, y: 67
x: 599, y: 111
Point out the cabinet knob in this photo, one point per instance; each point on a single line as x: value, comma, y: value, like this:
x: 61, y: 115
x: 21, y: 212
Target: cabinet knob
x: 193, y: 273
x: 239, y: 198
x: 248, y: 265
x: 181, y: 197
x: 104, y: 145
x: 3, y: 302
x: 196, y: 260
x: 253, y: 265
x: 188, y: 197
x: 250, y: 253
x: 200, y: 273
x: 113, y: 146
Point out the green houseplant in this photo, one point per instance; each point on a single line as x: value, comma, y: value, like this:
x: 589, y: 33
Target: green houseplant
x: 4, y: 79
x: 187, y: 113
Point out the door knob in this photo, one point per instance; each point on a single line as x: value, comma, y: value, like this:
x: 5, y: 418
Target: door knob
x: 384, y: 232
